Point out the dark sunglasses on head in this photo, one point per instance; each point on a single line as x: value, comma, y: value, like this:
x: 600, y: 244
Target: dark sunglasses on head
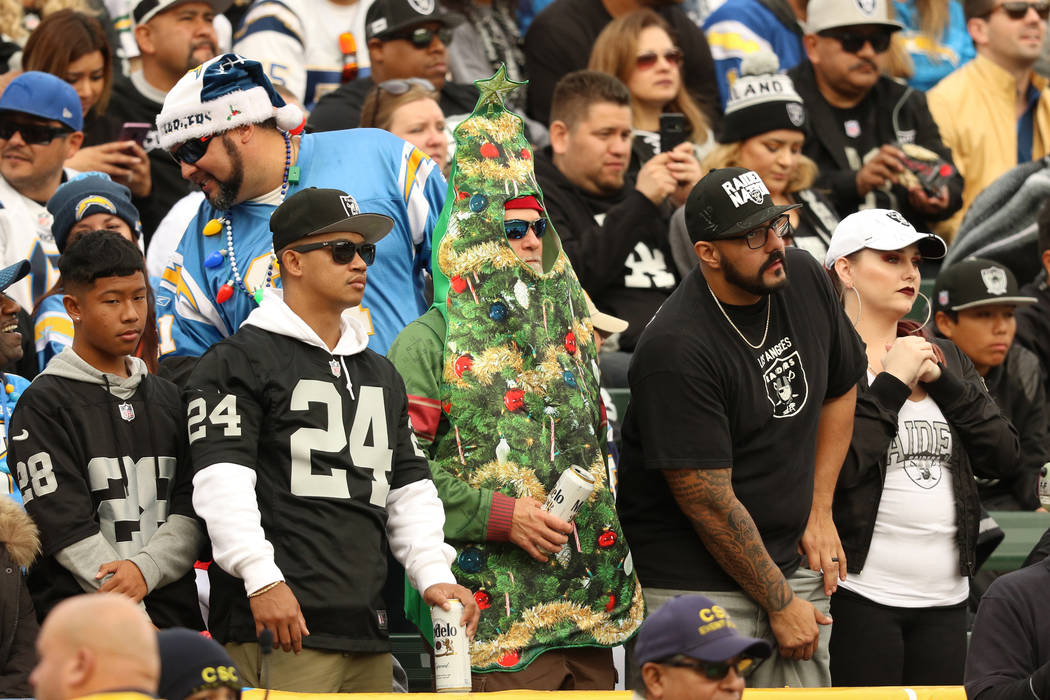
x: 343, y: 251
x: 716, y: 671
x: 853, y: 42
x: 1019, y: 10
x: 32, y: 134
x: 647, y: 60
x: 191, y: 151
x: 421, y: 37
x: 519, y: 228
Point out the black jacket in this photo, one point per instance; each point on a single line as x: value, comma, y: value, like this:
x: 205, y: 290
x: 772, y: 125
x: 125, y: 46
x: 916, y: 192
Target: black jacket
x: 602, y: 235
x: 1017, y: 387
x: 1033, y: 325
x: 18, y: 625
x: 983, y: 442
x: 826, y: 143
x: 341, y: 108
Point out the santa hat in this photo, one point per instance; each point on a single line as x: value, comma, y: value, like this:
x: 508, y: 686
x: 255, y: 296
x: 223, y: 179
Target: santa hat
x: 220, y: 95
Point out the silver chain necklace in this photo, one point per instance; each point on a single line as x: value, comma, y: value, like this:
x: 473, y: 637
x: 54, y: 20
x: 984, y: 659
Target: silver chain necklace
x: 769, y: 314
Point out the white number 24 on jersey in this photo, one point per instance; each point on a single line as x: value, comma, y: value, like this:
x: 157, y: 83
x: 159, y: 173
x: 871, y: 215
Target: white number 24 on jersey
x: 370, y: 418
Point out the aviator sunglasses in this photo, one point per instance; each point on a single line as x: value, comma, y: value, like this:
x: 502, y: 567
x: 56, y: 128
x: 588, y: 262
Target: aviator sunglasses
x: 715, y: 671
x: 647, y: 60
x: 32, y: 134
x: 853, y: 42
x: 518, y: 228
x: 343, y: 251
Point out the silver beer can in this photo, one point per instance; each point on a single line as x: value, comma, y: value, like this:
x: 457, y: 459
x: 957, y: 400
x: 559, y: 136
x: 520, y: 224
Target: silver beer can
x: 574, y: 487
x: 451, y: 649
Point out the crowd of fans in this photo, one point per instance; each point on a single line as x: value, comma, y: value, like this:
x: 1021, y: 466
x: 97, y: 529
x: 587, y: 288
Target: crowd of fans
x: 243, y: 390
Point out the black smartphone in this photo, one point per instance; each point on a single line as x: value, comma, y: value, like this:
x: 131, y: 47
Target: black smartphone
x: 673, y: 130
x: 134, y: 131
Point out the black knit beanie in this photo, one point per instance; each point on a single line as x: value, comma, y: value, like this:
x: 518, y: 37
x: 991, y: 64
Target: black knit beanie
x: 761, y: 100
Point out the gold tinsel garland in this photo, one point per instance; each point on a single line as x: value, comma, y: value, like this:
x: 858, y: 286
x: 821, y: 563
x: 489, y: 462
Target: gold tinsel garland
x: 514, y: 170
x: 504, y: 128
x: 522, y: 479
x: 473, y: 258
x: 605, y: 630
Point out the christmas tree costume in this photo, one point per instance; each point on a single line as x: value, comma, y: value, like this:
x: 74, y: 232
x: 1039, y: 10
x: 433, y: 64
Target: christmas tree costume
x: 520, y: 402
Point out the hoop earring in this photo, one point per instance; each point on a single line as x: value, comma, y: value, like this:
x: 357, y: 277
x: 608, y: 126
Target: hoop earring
x: 929, y: 309
x: 860, y: 304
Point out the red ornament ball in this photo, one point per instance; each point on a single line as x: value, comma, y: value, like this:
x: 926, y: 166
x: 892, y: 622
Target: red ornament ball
x: 447, y: 407
x: 458, y: 284
x: 482, y: 599
x: 525, y: 154
x: 570, y: 343
x: 511, y: 658
x: 611, y: 604
x: 489, y: 150
x: 514, y: 399
x: 463, y: 363
x: 462, y: 195
x: 607, y: 539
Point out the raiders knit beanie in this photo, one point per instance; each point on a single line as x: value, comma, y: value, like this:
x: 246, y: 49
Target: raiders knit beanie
x: 86, y: 194
x: 761, y: 100
x: 221, y: 94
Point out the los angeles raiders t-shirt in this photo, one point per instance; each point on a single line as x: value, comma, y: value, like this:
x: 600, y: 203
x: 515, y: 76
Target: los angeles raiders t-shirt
x: 701, y: 398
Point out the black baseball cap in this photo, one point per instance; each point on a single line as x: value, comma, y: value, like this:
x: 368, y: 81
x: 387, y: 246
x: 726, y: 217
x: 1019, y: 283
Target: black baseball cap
x: 727, y: 202
x: 314, y: 210
x: 695, y: 626
x: 977, y: 282
x: 386, y: 17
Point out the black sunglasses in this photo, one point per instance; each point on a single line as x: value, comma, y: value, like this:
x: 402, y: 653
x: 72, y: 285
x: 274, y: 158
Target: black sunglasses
x: 421, y: 37
x: 853, y: 42
x: 343, y: 251
x: 744, y: 666
x: 32, y: 134
x: 518, y: 228
x: 1019, y: 10
x: 647, y: 60
x: 191, y: 151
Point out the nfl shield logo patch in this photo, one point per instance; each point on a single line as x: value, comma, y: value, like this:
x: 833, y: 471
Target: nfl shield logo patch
x: 852, y: 128
x: 333, y: 364
x: 127, y: 411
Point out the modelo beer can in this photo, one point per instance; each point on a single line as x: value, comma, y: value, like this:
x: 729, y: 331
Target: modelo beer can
x: 574, y: 487
x: 451, y: 649
x: 1044, y: 486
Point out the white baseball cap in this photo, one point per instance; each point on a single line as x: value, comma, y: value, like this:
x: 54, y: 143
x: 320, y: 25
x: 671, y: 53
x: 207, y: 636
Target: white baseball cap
x: 829, y: 14
x: 879, y: 229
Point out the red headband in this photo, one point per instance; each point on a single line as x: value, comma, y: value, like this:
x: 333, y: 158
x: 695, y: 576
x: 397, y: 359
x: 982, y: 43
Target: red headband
x: 529, y: 201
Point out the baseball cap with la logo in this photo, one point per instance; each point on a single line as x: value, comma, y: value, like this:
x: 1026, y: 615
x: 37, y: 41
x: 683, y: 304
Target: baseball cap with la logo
x: 727, y: 202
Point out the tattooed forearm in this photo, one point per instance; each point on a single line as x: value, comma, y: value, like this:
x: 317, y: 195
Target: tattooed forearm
x: 727, y: 530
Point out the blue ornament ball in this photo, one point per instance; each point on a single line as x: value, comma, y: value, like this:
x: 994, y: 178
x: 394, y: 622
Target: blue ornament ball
x: 498, y: 311
x: 478, y: 202
x: 471, y: 560
x: 569, y: 378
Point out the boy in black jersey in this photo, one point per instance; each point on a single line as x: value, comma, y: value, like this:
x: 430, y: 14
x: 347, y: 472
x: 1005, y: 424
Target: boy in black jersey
x: 306, y: 467
x: 98, y: 449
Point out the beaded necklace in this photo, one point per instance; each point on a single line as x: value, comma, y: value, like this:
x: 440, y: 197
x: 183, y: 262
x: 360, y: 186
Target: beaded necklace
x: 236, y: 281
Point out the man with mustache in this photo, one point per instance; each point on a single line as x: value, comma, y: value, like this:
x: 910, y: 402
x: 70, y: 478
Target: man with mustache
x: 742, y: 400
x: 994, y: 112
x: 173, y: 36
x: 615, y: 232
x: 863, y: 124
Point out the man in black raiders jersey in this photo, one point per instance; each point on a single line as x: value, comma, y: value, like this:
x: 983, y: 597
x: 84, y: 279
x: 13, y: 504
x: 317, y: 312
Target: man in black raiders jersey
x: 98, y: 449
x: 306, y: 467
x: 743, y: 389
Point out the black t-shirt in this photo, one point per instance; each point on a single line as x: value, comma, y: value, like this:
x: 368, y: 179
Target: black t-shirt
x: 703, y: 399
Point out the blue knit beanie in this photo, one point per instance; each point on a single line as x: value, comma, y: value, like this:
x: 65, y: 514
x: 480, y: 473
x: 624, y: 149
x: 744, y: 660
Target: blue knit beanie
x: 86, y: 194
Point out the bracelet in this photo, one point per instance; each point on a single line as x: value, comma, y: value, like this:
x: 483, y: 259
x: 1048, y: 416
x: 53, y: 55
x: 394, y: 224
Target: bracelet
x: 264, y: 589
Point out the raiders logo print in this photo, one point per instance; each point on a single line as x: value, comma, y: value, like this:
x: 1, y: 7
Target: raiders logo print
x: 866, y: 6
x: 796, y: 114
x: 786, y: 385
x: 747, y: 187
x: 924, y: 471
x: 423, y: 7
x: 994, y: 279
x: 349, y: 205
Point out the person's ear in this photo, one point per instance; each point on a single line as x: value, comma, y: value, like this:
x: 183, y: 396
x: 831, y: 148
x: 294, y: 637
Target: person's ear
x: 945, y: 324
x: 809, y: 43
x: 291, y: 263
x: 978, y: 29
x: 708, y: 254
x: 559, y: 135
x: 654, y: 679
x: 72, y: 305
x: 82, y: 668
x: 375, y: 52
x: 844, y: 269
x: 73, y: 143
x: 144, y: 38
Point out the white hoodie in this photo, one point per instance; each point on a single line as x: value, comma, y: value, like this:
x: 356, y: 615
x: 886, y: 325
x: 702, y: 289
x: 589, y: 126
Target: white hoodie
x: 415, y: 516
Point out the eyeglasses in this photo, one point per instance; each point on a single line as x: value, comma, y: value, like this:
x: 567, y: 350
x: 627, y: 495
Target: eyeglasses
x: 32, y: 134
x: 348, y: 47
x: 744, y: 666
x: 518, y: 228
x: 421, y: 37
x: 756, y: 238
x: 1019, y: 10
x: 343, y: 251
x: 396, y: 87
x: 647, y: 60
x: 191, y: 151
x: 853, y: 42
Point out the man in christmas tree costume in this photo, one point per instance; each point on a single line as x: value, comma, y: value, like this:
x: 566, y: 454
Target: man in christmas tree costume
x: 503, y: 393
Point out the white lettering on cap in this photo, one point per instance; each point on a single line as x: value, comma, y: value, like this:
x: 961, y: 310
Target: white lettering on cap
x: 744, y: 188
